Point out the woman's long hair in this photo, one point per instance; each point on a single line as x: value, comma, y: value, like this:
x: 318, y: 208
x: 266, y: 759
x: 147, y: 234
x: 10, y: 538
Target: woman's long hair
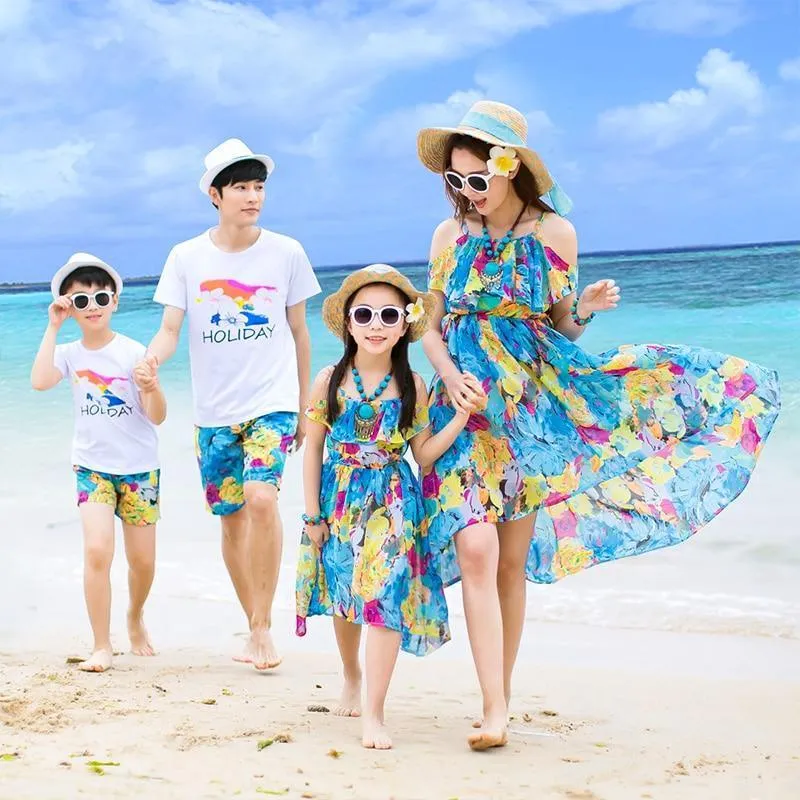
x: 523, y: 182
x: 401, y: 369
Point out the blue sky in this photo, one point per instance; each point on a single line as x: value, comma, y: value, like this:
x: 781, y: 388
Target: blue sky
x: 669, y: 122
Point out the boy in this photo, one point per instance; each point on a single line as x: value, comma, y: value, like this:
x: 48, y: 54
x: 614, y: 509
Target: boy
x: 244, y: 290
x: 118, y: 403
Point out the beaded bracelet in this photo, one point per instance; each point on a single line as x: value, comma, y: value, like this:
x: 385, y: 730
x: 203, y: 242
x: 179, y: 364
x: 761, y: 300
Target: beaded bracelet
x: 316, y: 519
x: 580, y: 320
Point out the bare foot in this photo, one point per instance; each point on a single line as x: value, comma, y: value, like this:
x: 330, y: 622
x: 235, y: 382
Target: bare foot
x: 487, y: 737
x: 350, y: 701
x: 99, y: 661
x: 246, y: 656
x: 375, y: 735
x: 263, y: 653
x: 140, y: 642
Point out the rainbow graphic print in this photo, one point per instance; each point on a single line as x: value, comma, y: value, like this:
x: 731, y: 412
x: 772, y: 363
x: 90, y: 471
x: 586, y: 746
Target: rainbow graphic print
x: 100, y: 388
x: 237, y: 304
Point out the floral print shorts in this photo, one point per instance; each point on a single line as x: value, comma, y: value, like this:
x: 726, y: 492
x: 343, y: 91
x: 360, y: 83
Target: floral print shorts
x: 232, y: 454
x: 134, y: 497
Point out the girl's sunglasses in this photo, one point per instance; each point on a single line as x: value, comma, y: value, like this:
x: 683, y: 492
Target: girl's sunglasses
x: 388, y: 315
x: 477, y: 181
x: 81, y: 300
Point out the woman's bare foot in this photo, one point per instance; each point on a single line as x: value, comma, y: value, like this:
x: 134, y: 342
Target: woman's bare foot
x: 350, y: 701
x: 246, y: 656
x: 98, y: 661
x: 140, y: 642
x: 375, y: 735
x: 263, y: 653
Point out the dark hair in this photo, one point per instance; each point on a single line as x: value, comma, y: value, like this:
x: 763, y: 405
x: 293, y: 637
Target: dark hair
x: 91, y: 276
x: 248, y: 169
x: 401, y: 368
x: 523, y: 182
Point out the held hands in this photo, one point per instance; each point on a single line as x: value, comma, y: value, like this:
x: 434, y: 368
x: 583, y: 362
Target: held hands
x: 318, y: 533
x: 465, y: 392
x: 59, y: 310
x: 600, y: 296
x: 145, y: 374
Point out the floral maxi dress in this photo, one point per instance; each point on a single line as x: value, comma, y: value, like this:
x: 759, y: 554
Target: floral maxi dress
x: 376, y: 567
x: 624, y: 452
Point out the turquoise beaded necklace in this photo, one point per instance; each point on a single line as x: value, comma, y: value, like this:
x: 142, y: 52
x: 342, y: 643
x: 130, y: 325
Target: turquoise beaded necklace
x: 491, y: 271
x: 365, y: 411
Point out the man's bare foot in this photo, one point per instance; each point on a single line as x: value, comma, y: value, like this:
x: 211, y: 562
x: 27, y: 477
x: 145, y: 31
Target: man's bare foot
x: 140, y: 642
x: 350, y: 701
x: 99, y: 661
x: 375, y: 735
x: 262, y: 648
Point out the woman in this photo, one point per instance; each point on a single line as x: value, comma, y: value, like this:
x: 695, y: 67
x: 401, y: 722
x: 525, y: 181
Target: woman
x: 623, y: 452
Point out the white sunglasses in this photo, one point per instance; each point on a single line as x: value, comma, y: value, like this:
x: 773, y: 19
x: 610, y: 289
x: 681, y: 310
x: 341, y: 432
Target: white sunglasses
x: 81, y: 300
x: 388, y: 315
x: 477, y: 181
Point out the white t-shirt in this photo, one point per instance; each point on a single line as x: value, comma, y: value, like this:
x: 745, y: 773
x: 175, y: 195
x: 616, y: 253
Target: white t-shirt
x: 112, y: 432
x: 240, y: 345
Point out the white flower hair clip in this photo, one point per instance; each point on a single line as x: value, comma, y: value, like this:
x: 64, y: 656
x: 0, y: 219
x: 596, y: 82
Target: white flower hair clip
x: 502, y: 161
x: 415, y: 310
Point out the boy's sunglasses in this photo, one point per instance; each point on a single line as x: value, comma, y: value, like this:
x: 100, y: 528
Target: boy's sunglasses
x: 388, y: 315
x: 101, y: 299
x: 477, y: 181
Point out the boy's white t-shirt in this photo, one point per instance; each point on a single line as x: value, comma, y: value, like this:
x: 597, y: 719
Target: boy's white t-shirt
x: 112, y: 432
x: 241, y: 348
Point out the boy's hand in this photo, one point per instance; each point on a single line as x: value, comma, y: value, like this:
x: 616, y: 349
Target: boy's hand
x: 145, y: 374
x: 59, y: 310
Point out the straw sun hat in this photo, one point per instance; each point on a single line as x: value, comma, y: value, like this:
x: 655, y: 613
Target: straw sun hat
x: 495, y: 124
x: 333, y: 307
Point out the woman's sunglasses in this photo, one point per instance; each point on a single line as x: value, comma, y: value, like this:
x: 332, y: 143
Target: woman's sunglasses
x: 101, y: 299
x: 388, y: 315
x: 477, y: 181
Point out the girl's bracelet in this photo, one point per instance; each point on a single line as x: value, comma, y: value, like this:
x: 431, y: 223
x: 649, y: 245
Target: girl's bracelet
x: 582, y: 321
x: 316, y: 519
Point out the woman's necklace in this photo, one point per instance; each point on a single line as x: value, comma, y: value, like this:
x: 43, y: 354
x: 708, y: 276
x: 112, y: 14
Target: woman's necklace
x: 365, y: 411
x: 491, y: 273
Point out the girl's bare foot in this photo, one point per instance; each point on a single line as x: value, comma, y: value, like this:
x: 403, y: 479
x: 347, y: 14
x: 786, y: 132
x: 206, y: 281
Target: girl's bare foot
x: 140, y: 642
x: 492, y: 733
x: 375, y: 735
x: 98, y: 661
x: 350, y: 701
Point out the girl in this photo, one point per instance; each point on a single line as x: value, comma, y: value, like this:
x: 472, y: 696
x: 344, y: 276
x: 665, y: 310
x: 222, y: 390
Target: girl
x: 624, y: 452
x: 364, y: 557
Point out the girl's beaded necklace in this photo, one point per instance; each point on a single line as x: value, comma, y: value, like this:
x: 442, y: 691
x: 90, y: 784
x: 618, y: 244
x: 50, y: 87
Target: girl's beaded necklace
x: 365, y: 411
x: 492, y: 273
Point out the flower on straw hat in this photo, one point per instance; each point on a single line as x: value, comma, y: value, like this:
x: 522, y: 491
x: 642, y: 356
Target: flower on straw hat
x: 415, y: 311
x: 502, y: 161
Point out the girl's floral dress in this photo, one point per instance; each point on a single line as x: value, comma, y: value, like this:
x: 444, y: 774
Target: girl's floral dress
x: 376, y: 567
x: 622, y: 452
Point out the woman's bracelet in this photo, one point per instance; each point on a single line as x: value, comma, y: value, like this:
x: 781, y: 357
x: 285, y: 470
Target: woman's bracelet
x: 582, y: 321
x: 315, y: 519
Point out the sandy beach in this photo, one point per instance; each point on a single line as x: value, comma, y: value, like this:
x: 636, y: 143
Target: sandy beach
x: 190, y: 723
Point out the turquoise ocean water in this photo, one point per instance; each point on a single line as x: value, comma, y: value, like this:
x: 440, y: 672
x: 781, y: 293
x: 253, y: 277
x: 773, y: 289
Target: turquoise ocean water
x: 740, y: 576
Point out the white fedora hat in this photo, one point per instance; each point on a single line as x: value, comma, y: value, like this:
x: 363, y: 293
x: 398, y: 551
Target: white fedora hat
x: 227, y: 153
x: 78, y: 260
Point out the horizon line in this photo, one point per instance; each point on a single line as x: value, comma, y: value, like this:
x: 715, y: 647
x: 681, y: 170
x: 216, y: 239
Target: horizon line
x: 43, y: 285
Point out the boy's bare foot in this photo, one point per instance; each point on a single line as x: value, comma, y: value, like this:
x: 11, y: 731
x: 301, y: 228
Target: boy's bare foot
x: 262, y: 648
x: 99, y: 661
x: 350, y: 701
x: 140, y: 642
x: 375, y: 735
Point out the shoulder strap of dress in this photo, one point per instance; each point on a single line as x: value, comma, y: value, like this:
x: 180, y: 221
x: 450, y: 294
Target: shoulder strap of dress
x: 537, y: 228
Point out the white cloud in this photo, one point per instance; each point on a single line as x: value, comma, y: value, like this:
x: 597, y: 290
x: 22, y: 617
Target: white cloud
x: 716, y: 17
x: 791, y: 134
x: 168, y: 162
x: 790, y: 70
x: 726, y: 88
x: 33, y: 179
x: 13, y: 14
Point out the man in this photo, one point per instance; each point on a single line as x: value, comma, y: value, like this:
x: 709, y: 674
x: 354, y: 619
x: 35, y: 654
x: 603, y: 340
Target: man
x: 244, y: 291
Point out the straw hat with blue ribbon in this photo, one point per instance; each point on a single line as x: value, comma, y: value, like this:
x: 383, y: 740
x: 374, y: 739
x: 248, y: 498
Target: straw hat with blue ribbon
x: 495, y: 124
